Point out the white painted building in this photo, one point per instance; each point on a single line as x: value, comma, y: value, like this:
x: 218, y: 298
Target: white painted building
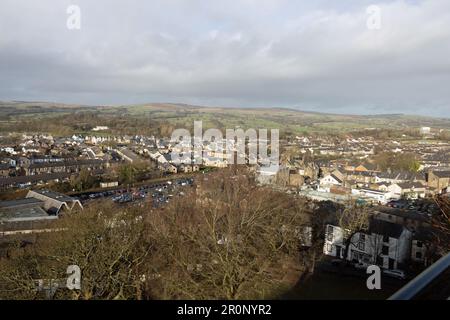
x: 9, y: 150
x: 379, y: 196
x: 215, y: 162
x: 100, y: 128
x: 385, y: 244
x: 327, y: 182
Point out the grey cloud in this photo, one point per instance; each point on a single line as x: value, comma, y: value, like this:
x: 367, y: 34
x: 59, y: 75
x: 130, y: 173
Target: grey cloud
x: 311, y: 55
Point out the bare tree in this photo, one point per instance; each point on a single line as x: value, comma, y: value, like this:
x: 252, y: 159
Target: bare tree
x: 226, y: 238
x: 107, y: 244
x: 233, y: 241
x: 441, y: 223
x: 352, y: 219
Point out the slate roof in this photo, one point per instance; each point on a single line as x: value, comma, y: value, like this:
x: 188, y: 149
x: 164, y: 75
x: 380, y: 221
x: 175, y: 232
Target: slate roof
x: 33, y: 178
x: 442, y: 174
x: 25, y: 214
x: 336, y: 178
x: 410, y: 185
x: 26, y: 202
x: 386, y: 228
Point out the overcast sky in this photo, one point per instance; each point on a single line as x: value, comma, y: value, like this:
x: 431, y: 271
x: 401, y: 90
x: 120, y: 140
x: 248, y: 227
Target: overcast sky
x: 313, y: 55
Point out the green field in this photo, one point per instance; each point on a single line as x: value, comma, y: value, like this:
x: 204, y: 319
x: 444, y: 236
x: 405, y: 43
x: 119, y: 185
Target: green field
x: 146, y: 118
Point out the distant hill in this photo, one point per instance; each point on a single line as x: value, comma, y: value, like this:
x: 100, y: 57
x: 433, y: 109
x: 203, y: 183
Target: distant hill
x: 184, y: 115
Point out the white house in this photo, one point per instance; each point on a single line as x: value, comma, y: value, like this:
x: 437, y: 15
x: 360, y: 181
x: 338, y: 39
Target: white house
x: 385, y: 244
x: 215, y: 162
x: 395, y: 190
x: 100, y: 128
x: 327, y: 181
x: 425, y: 130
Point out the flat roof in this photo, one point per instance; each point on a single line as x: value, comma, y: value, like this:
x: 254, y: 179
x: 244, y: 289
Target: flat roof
x: 19, y: 202
x: 25, y: 214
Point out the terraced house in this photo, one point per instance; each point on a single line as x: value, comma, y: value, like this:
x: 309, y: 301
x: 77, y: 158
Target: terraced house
x: 70, y: 166
x: 439, y: 180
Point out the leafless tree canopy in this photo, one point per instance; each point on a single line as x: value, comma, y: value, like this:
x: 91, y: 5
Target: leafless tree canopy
x: 353, y: 218
x: 225, y: 238
x: 441, y: 222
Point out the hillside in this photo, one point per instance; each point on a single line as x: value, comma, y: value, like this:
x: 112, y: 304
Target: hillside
x: 182, y: 115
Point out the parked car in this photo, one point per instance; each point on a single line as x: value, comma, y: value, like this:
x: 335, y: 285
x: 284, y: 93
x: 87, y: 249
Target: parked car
x: 398, y: 274
x: 116, y: 198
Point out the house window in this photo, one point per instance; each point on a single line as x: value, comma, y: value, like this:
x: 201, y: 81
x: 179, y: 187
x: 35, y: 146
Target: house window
x: 386, y: 238
x: 385, y: 250
x: 330, y: 237
x: 362, y: 237
x: 361, y: 246
x: 419, y: 244
x: 379, y: 261
x: 418, y: 255
x: 329, y: 229
x: 330, y: 233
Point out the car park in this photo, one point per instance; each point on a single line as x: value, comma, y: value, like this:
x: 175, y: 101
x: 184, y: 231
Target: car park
x: 160, y: 192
